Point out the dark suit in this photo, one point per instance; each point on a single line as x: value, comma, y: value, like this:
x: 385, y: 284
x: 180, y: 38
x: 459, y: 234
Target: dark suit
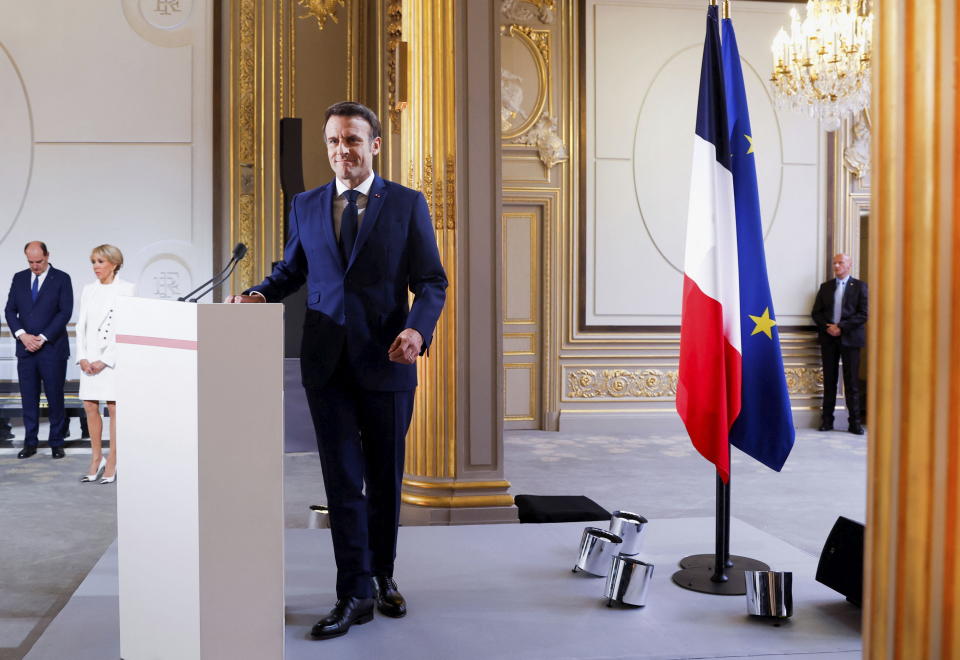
x: 846, y: 347
x: 48, y: 316
x: 360, y: 401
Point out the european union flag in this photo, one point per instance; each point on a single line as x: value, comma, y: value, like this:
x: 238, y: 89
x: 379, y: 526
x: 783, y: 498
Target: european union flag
x: 764, y: 429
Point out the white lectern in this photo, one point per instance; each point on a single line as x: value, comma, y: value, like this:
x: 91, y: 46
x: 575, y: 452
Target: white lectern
x: 200, y: 501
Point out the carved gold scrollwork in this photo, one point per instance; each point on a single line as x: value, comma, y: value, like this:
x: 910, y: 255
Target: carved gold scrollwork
x: 518, y: 10
x: 537, y: 43
x: 804, y: 380
x: 451, y: 192
x: 321, y: 10
x: 246, y: 136
x: 621, y: 383
x: 394, y: 37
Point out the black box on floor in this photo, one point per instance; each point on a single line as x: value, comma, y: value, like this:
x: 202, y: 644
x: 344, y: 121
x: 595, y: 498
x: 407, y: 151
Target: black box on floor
x: 558, y: 509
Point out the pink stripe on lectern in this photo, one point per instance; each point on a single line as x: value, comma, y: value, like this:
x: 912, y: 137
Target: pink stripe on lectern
x: 162, y: 342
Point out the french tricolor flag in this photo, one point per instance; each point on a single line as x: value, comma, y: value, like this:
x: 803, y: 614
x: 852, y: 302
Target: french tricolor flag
x: 708, y: 391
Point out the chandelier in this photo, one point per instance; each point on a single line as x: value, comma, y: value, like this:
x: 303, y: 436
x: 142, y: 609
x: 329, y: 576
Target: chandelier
x: 822, y: 66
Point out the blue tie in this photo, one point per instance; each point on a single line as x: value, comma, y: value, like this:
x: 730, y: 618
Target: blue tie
x: 348, y: 225
x: 35, y: 289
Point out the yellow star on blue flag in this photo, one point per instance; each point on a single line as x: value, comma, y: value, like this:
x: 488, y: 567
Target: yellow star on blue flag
x: 750, y: 140
x: 763, y: 323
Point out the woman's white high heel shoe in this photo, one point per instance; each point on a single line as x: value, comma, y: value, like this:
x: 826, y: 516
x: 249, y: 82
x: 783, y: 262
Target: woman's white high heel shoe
x: 109, y: 480
x: 93, y: 477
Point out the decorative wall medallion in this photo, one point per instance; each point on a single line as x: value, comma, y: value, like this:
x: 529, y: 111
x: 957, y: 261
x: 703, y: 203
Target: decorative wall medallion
x: 544, y: 136
x: 16, y: 136
x: 166, y: 14
x: 525, y: 10
x: 621, y: 384
x: 856, y: 153
x: 525, y: 54
x: 321, y: 10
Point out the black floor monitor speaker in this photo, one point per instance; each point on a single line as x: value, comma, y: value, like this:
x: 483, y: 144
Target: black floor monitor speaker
x: 841, y: 562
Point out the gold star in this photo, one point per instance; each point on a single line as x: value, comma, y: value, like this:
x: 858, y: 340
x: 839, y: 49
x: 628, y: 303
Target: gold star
x: 750, y: 140
x: 763, y: 323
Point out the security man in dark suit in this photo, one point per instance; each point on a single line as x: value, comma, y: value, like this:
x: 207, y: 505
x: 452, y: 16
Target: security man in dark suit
x: 840, y: 312
x: 38, y: 308
x: 361, y: 244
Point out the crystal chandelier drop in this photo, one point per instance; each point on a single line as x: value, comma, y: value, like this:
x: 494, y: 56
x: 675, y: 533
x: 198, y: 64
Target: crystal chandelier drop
x: 822, y: 66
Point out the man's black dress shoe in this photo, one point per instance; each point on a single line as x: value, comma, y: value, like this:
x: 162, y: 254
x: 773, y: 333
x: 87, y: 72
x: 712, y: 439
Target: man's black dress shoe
x: 57, y: 452
x: 856, y: 429
x: 347, y: 612
x: 389, y: 600
x: 826, y: 426
x: 27, y: 452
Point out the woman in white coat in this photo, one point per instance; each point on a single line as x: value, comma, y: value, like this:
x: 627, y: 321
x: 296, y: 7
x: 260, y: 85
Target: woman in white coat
x: 96, y: 355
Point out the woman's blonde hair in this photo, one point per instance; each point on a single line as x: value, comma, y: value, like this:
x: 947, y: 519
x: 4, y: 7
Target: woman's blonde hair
x: 111, y: 253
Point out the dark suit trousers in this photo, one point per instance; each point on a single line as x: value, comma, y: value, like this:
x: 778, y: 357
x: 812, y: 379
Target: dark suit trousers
x: 360, y: 438
x: 33, y: 370
x: 833, y: 352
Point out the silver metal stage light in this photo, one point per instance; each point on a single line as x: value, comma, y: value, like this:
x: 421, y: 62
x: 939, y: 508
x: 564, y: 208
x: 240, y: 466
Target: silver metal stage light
x: 597, y: 547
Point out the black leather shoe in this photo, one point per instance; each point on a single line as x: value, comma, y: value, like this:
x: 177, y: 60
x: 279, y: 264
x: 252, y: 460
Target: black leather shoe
x: 826, y: 426
x: 347, y: 612
x: 389, y: 601
x: 27, y: 452
x: 856, y: 429
x: 57, y: 452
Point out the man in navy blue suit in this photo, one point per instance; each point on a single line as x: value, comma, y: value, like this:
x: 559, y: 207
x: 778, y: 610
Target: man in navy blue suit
x: 360, y: 243
x: 38, y: 308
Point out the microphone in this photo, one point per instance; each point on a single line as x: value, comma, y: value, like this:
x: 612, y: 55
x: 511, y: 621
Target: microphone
x: 239, y: 252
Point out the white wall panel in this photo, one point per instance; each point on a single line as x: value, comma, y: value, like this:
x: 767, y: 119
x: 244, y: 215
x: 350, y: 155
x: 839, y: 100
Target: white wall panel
x: 643, y: 61
x: 106, y: 135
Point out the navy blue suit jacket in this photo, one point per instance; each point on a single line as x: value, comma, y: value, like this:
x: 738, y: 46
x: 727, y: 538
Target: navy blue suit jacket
x: 853, y: 312
x: 360, y: 307
x: 48, y: 316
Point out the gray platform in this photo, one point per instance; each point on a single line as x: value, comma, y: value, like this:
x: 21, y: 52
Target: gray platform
x: 506, y: 591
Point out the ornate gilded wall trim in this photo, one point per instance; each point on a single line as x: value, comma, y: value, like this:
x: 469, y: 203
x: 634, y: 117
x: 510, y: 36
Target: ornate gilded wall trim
x: 544, y: 136
x: 804, y: 380
x: 520, y: 10
x: 451, y: 192
x: 394, y: 36
x: 621, y: 383
x: 538, y: 43
x: 246, y: 127
x: 321, y: 10
x: 624, y: 383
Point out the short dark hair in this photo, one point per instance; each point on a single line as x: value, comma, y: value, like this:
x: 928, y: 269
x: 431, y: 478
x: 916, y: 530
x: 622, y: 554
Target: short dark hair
x: 353, y: 109
x: 43, y: 247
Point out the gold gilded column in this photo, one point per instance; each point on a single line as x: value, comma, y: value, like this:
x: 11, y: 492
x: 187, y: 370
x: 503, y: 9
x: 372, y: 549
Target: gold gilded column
x: 912, y: 583
x: 259, y: 91
x: 453, y: 466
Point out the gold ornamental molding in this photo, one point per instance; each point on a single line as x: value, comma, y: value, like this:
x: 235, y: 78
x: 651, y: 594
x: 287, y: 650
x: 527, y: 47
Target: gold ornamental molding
x: 624, y: 383
x: 621, y: 384
x: 537, y: 43
x: 322, y: 10
x: 456, y: 502
x: 527, y: 10
x: 804, y: 380
x: 394, y: 39
x: 261, y: 91
x: 456, y: 485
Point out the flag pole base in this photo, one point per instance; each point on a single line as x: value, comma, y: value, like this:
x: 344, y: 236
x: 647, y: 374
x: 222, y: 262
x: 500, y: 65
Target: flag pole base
x: 700, y: 579
x: 736, y: 563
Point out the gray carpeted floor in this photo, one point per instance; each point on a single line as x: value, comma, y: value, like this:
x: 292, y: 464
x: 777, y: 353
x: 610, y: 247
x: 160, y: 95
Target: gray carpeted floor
x: 55, y: 529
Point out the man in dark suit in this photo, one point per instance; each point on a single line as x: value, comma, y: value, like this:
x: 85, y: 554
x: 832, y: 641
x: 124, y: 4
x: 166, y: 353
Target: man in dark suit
x: 38, y: 308
x: 360, y: 243
x: 840, y: 312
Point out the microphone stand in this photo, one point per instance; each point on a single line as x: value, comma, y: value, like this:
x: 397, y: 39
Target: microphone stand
x: 220, y: 279
x: 230, y: 265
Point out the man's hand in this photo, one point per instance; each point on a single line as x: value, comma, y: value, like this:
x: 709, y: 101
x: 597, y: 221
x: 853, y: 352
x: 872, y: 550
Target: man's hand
x: 31, y: 342
x: 833, y: 329
x: 244, y: 299
x: 406, y: 347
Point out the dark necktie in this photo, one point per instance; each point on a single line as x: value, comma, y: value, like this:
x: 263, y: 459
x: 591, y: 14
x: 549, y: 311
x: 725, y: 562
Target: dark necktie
x: 348, y: 225
x: 35, y: 288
